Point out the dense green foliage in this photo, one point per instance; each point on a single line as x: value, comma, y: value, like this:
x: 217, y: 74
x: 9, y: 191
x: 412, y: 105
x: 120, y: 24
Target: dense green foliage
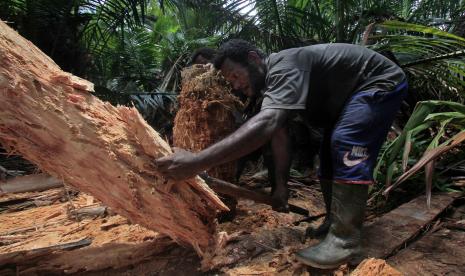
x: 433, y: 129
x: 131, y: 46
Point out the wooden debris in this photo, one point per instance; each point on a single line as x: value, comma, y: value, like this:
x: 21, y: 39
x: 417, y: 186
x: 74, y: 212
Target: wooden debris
x: 246, y: 246
x: 30, y: 183
x: 10, y: 239
x: 65, y: 246
x: 17, y: 202
x: 437, y: 253
x: 27, y: 229
x: 52, y: 119
x: 459, y: 181
x: 271, y: 240
x: 375, y: 267
x: 56, y: 261
x: 4, y: 173
x: 88, y: 212
x: 390, y: 232
x: 44, y: 233
x: 457, y: 225
x: 111, y: 224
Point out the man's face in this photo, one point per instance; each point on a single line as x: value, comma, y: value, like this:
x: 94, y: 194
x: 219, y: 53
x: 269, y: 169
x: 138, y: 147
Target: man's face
x: 247, y: 79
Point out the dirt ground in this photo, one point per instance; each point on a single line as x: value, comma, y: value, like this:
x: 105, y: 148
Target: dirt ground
x: 261, y: 241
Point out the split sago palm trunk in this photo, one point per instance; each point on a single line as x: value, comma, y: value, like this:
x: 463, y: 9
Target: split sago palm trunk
x: 51, y: 118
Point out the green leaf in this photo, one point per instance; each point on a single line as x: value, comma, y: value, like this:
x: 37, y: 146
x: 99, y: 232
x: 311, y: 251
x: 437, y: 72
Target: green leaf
x: 397, y: 25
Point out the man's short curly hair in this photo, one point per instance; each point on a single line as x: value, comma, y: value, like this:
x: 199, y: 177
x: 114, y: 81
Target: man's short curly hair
x: 208, y: 53
x: 236, y: 50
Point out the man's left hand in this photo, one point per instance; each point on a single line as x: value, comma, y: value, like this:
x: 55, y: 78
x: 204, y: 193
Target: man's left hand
x: 180, y: 165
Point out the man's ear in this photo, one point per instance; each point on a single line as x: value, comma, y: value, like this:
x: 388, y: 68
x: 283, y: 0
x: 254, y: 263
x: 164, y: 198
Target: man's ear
x: 253, y: 57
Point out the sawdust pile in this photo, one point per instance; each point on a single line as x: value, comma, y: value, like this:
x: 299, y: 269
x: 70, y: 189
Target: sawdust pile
x: 207, y: 114
x: 375, y: 267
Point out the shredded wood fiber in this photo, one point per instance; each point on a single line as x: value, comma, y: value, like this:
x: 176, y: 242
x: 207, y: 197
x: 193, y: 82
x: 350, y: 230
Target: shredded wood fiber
x: 207, y: 113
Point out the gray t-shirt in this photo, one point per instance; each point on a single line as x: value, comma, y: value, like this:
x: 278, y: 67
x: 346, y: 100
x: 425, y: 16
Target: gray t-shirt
x: 319, y: 79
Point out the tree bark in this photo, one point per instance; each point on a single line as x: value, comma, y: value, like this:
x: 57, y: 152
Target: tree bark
x: 339, y: 20
x: 51, y: 118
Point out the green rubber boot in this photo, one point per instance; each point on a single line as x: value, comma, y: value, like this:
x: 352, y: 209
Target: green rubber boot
x: 343, y: 241
x: 322, y: 230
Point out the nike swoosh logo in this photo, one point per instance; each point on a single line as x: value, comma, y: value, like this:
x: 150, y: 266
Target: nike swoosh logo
x: 351, y: 163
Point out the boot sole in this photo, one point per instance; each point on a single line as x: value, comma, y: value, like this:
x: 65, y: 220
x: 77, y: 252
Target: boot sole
x: 316, y: 234
x: 317, y: 265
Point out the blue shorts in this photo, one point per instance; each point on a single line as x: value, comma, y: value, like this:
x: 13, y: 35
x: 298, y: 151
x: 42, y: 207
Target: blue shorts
x: 350, y: 149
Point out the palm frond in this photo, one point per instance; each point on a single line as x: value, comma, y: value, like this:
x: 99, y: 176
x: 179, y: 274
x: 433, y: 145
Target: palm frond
x: 426, y: 11
x: 428, y: 157
x: 157, y: 108
x: 111, y: 17
x: 433, y: 59
x: 434, y: 128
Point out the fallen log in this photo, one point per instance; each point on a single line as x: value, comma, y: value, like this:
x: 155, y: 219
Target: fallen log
x: 51, y: 118
x: 60, y: 260
x: 30, y: 183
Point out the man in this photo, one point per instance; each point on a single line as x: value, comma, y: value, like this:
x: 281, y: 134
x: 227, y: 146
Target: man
x: 278, y: 181
x: 276, y: 157
x: 349, y: 90
x: 203, y: 55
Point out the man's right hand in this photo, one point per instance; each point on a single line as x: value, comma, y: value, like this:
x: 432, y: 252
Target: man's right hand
x: 180, y: 165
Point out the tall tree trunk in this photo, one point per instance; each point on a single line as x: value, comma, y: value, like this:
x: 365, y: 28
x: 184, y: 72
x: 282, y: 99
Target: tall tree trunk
x: 459, y: 28
x: 339, y: 20
x: 50, y: 117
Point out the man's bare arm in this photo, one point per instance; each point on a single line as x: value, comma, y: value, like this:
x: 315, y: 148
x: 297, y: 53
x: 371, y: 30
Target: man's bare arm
x: 281, y: 148
x: 250, y: 136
